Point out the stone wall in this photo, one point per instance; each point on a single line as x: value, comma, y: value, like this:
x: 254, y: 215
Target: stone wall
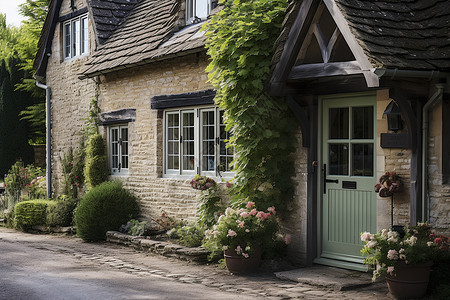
x: 438, y: 192
x: 70, y: 97
x: 133, y: 88
x: 296, y: 222
x: 391, y: 159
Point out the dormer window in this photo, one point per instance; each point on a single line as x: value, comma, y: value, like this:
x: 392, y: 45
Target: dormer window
x: 76, y: 37
x: 197, y: 10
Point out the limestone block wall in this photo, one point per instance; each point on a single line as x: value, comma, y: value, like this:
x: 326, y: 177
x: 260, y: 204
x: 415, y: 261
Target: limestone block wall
x: 133, y: 88
x: 70, y: 96
x: 391, y: 159
x: 295, y: 224
x: 438, y: 191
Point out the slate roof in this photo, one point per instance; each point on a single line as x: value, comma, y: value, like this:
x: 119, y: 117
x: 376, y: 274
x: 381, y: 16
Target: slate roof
x: 149, y: 33
x: 404, y: 34
x: 108, y: 15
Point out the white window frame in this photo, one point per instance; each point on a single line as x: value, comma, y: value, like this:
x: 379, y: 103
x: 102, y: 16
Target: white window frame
x: 198, y: 141
x: 76, y: 37
x: 194, y: 9
x: 117, y: 167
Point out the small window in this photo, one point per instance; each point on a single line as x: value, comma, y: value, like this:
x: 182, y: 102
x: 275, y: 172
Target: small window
x: 196, y: 143
x: 118, y: 150
x: 76, y: 37
x: 197, y: 10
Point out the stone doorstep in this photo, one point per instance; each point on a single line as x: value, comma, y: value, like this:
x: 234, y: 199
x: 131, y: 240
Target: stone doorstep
x: 328, y: 277
x: 195, y: 254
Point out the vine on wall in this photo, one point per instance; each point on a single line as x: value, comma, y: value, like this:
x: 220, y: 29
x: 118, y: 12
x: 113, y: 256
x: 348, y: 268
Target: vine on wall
x: 240, y: 41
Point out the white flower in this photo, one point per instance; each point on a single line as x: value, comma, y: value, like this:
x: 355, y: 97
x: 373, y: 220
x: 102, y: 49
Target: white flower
x: 392, y: 239
x: 390, y: 270
x: 411, y: 241
x: 392, y: 234
x: 384, y: 233
x: 229, y: 211
x: 429, y: 244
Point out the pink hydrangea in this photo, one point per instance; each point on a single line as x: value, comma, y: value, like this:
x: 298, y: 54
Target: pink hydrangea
x: 244, y: 214
x: 245, y: 255
x: 287, y: 239
x: 250, y: 204
x: 366, y: 236
x: 272, y: 210
x: 231, y: 233
x: 253, y: 212
x: 390, y: 270
x: 392, y: 255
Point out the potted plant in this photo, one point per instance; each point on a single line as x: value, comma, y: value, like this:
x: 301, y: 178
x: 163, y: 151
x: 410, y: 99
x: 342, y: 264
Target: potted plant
x: 242, y: 233
x: 404, y: 261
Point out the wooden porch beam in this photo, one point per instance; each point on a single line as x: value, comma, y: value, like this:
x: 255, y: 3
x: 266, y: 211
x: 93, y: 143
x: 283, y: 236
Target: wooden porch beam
x: 301, y: 117
x: 324, y: 70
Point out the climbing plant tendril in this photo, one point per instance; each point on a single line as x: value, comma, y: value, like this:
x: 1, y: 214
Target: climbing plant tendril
x: 240, y: 39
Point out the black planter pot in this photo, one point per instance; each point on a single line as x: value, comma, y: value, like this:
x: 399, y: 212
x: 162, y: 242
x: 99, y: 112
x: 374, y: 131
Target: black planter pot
x: 399, y: 229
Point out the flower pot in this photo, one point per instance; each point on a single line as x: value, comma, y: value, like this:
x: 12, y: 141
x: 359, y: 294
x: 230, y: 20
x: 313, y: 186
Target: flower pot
x: 237, y: 264
x: 409, y: 281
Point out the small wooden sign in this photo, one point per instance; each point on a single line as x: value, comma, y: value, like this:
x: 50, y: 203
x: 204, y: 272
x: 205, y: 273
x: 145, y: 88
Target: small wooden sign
x: 395, y: 140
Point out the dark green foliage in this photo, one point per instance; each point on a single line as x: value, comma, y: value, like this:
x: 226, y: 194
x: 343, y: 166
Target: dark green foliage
x: 13, y: 131
x: 61, y: 212
x: 95, y: 170
x: 135, y: 228
x: 191, y: 235
x: 210, y: 207
x: 73, y: 165
x: 30, y: 213
x: 105, y: 207
x: 239, y: 41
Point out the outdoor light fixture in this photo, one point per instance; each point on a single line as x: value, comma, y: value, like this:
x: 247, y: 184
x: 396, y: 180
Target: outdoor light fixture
x: 394, y: 117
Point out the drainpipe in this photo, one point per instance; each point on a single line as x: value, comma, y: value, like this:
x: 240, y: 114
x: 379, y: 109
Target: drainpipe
x: 425, y: 134
x: 48, y: 145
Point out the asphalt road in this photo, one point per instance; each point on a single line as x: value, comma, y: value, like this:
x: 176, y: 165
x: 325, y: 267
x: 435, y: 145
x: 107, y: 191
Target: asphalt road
x: 46, y: 267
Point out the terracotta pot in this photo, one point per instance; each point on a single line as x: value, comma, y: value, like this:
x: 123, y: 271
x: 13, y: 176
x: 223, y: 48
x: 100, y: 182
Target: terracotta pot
x: 237, y: 264
x: 410, y: 281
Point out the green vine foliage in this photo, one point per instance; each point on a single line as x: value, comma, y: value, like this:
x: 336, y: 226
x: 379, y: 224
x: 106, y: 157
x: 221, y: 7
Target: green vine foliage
x: 240, y: 41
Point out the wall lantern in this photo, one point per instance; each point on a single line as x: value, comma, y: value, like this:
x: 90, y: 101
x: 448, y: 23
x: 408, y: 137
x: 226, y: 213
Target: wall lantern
x: 394, y: 117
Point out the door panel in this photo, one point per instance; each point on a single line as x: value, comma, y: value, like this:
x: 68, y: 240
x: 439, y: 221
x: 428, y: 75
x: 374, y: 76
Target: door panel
x: 348, y: 160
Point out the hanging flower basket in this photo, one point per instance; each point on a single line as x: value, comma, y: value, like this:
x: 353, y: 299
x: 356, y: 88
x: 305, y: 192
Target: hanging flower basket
x: 389, y: 184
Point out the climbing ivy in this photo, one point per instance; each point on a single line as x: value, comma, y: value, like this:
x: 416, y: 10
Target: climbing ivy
x: 240, y: 40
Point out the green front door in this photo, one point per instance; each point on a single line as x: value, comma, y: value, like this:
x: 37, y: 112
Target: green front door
x: 348, y: 205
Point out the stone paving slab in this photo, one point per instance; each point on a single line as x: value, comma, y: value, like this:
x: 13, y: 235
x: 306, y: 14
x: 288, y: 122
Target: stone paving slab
x: 328, y: 277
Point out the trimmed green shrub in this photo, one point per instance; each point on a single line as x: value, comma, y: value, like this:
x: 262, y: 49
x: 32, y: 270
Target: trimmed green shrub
x: 104, y: 207
x: 95, y: 170
x: 61, y: 212
x: 30, y: 213
x: 191, y: 235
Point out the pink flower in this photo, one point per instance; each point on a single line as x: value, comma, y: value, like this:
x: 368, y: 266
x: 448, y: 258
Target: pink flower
x: 244, y: 214
x: 238, y: 249
x: 272, y: 210
x: 250, y: 204
x: 228, y: 184
x: 241, y: 224
x: 247, y: 230
x: 231, y: 233
x: 392, y: 255
x: 366, y: 236
x: 390, y: 270
x: 253, y: 212
x: 287, y: 239
x: 245, y: 255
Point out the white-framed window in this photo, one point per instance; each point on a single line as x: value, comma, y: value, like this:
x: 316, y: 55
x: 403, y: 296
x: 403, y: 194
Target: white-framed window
x: 197, y: 10
x: 118, y: 149
x: 76, y: 37
x: 195, y: 143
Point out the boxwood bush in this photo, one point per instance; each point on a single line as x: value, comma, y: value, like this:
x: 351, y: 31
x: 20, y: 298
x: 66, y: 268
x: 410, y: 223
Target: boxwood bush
x: 61, y: 212
x: 105, y: 207
x: 30, y: 213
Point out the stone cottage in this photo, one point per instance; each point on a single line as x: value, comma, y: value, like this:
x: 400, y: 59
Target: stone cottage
x: 339, y: 64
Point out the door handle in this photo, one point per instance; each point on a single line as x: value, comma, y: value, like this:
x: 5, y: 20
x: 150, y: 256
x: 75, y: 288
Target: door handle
x: 325, y: 180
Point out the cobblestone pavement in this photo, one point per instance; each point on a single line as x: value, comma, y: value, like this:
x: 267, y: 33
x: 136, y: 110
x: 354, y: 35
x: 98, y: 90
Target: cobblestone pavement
x: 110, y: 256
